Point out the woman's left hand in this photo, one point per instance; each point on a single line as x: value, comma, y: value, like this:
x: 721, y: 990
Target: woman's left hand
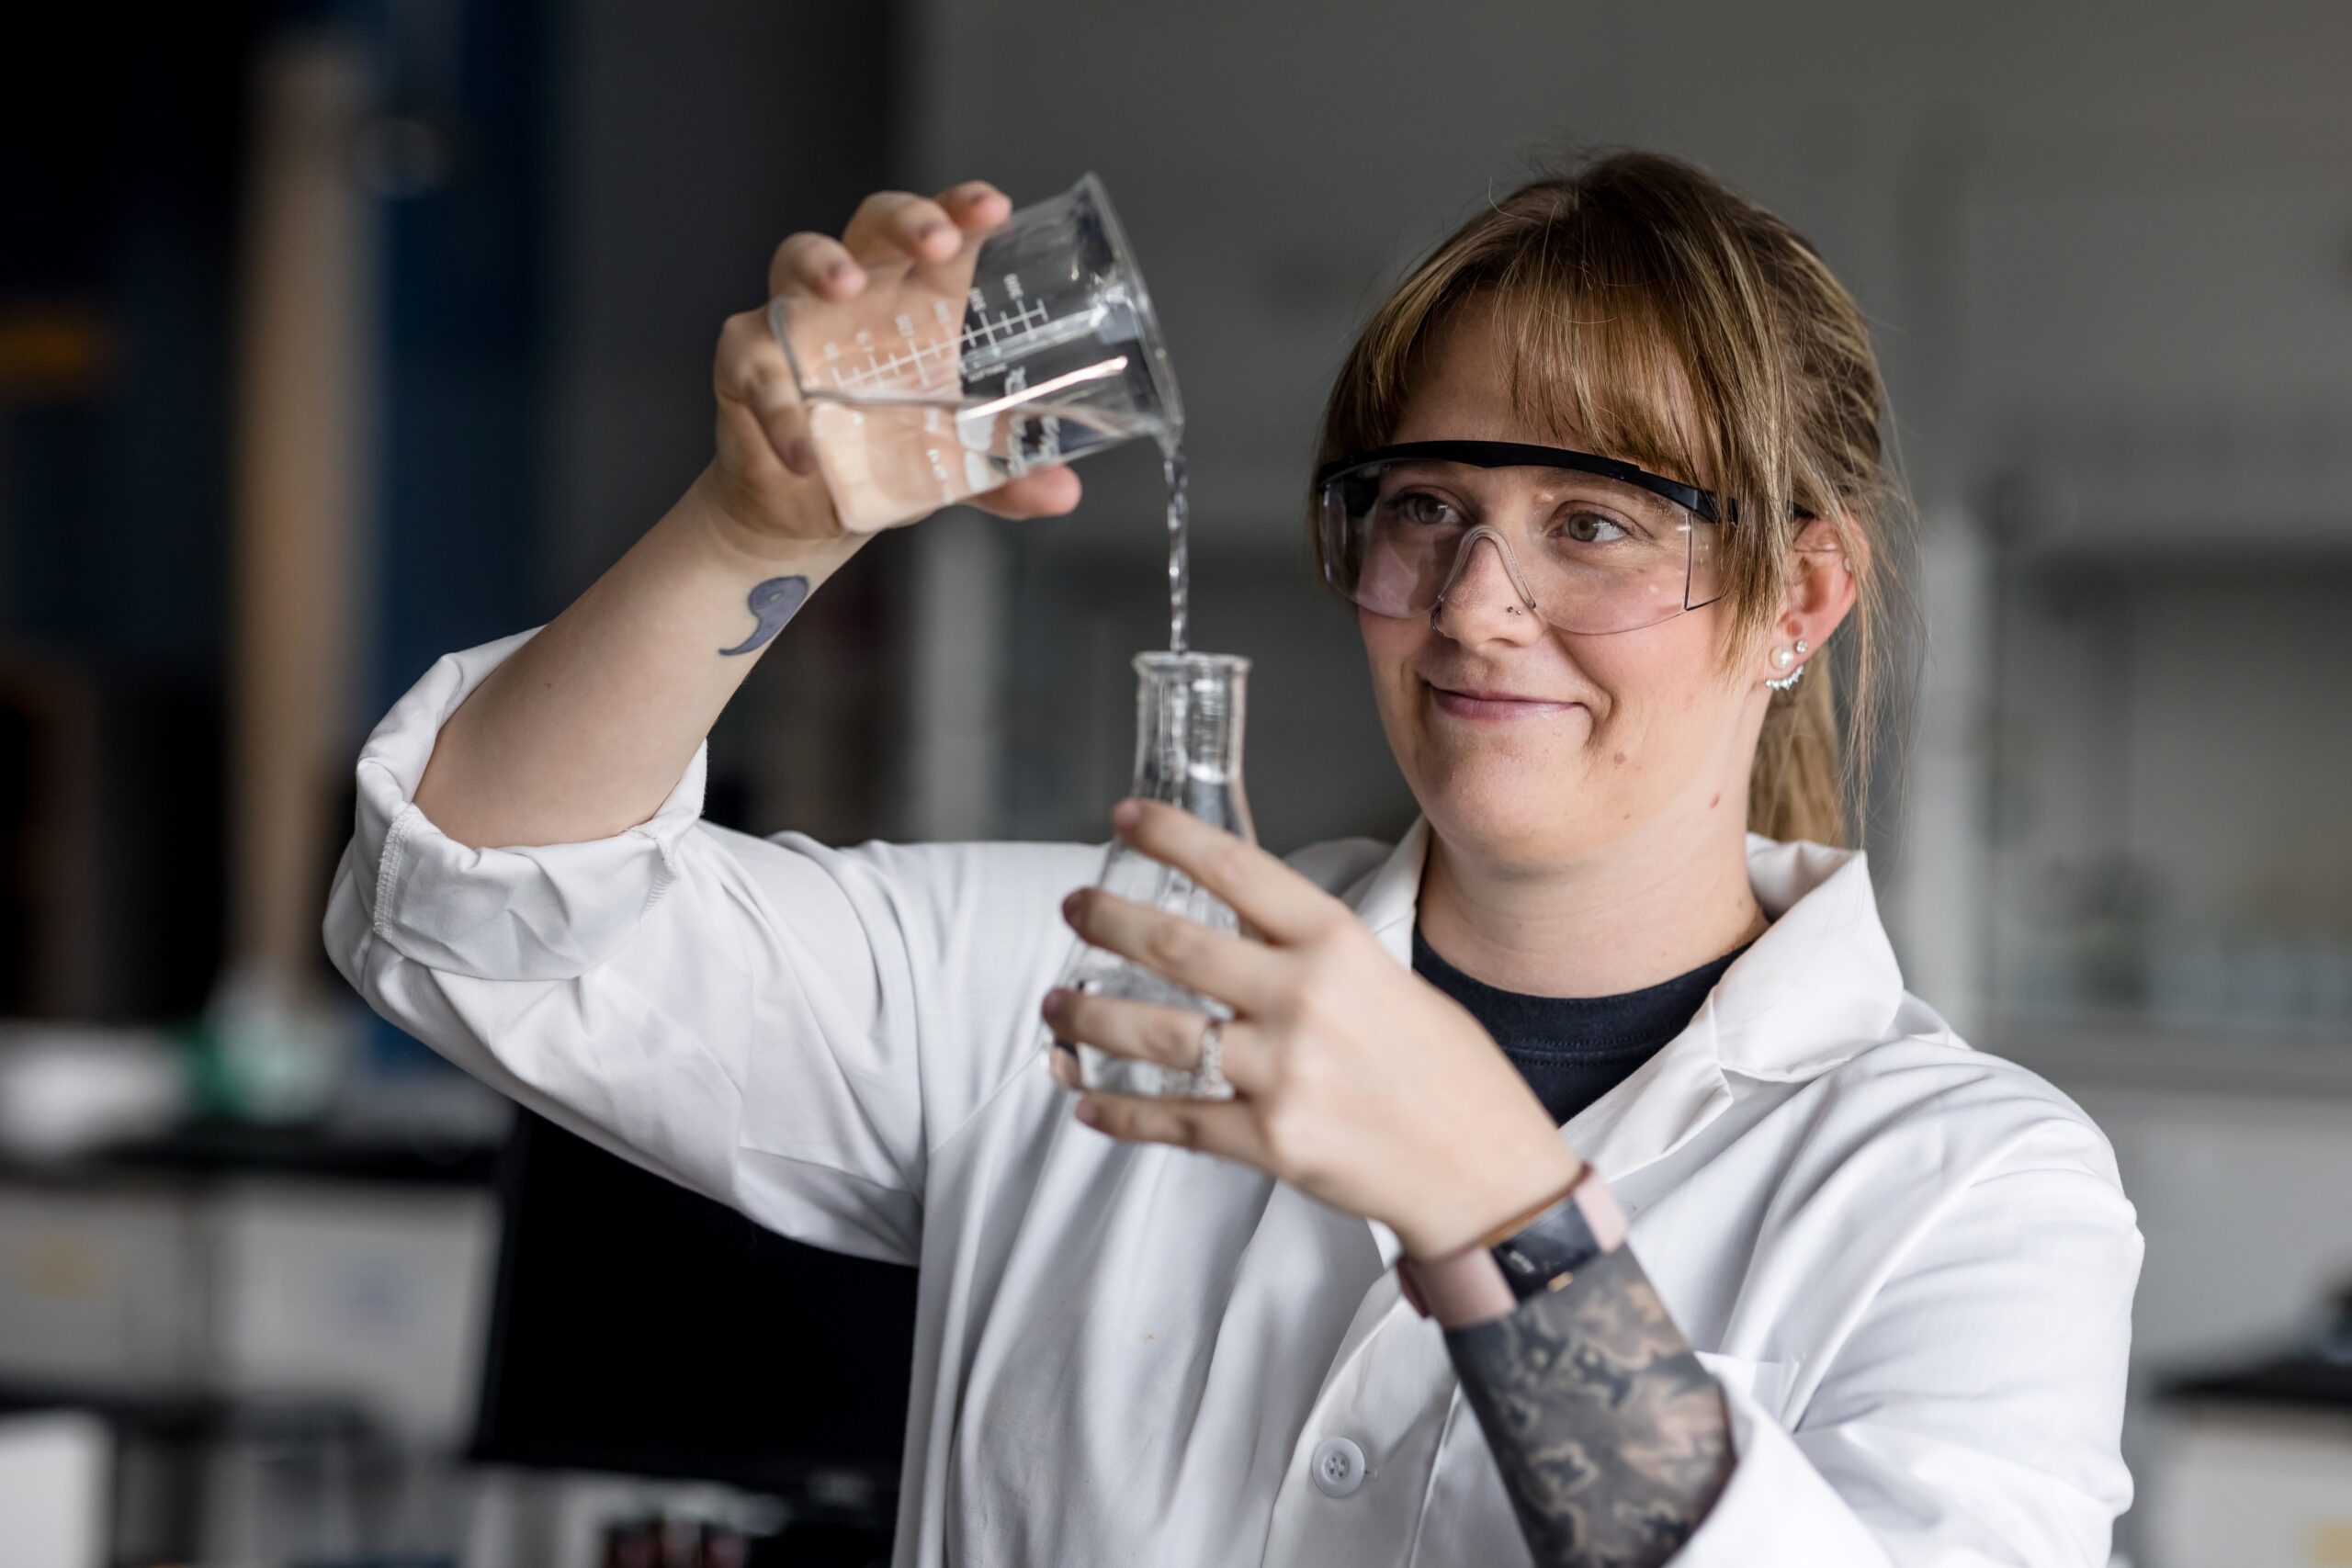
x: 1356, y: 1081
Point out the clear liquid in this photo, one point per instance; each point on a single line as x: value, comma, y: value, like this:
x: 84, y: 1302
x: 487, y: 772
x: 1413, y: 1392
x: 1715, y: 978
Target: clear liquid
x: 1188, y: 752
x: 1180, y: 562
x: 890, y: 459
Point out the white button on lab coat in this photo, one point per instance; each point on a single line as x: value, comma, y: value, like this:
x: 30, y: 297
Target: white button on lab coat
x: 1909, y: 1264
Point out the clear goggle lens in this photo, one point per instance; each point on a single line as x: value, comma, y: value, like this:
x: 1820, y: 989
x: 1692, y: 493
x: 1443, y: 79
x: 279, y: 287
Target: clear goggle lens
x: 1587, y: 552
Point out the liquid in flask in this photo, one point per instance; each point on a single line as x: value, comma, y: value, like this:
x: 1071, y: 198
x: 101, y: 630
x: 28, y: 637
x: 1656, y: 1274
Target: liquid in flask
x: 1189, y: 709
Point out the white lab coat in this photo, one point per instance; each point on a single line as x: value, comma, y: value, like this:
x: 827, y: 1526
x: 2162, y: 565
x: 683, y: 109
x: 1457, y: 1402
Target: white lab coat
x: 1910, y: 1264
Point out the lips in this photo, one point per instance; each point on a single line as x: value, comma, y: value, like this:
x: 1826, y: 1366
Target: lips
x: 1480, y: 695
x: 1492, y: 703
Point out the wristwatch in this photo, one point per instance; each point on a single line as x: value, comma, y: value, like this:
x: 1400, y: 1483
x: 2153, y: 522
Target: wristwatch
x: 1490, y: 1276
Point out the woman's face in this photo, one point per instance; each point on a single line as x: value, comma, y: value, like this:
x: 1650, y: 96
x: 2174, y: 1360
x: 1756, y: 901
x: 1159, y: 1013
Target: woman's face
x: 1530, y: 746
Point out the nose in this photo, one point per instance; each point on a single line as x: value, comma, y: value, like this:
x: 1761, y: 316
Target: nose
x: 1483, y: 600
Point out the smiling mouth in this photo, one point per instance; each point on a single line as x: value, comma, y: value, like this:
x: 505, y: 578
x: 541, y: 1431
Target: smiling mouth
x: 1476, y: 703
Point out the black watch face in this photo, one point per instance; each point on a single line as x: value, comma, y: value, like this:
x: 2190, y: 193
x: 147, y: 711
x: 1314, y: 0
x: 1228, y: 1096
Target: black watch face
x: 1556, y: 1242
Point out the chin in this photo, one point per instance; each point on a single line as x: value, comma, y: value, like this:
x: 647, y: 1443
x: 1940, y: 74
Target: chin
x: 1511, y: 807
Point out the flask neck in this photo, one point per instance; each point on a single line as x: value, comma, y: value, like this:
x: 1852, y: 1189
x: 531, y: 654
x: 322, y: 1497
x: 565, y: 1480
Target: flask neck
x: 1189, y: 717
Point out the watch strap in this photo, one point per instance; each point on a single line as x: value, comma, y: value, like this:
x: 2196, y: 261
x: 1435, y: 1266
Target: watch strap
x: 1546, y: 1253
x: 1459, y: 1289
x: 1482, y: 1282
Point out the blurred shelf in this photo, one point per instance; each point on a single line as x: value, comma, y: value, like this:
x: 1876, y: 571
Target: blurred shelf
x: 198, y: 1417
x: 207, y: 1150
x: 2298, y: 1382
x: 2215, y: 1057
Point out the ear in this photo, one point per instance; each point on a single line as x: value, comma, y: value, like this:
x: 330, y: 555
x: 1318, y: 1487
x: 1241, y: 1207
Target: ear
x: 1822, y: 584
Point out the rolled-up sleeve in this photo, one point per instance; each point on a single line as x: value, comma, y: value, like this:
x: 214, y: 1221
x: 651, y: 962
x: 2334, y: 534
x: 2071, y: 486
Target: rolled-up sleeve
x: 787, y: 1027
x: 548, y: 912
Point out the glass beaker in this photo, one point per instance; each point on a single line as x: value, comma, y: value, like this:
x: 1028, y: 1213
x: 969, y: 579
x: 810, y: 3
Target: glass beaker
x: 1035, y: 343
x: 1188, y: 752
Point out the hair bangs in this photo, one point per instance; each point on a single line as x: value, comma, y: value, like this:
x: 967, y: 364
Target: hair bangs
x: 1599, y: 369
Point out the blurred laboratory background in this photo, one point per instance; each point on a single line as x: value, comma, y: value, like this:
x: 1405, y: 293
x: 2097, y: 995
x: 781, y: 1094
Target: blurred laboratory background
x: 337, y: 336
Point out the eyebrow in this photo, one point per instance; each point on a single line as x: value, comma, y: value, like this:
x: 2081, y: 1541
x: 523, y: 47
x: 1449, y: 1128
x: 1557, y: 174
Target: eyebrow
x: 1516, y: 453
x: 1547, y: 478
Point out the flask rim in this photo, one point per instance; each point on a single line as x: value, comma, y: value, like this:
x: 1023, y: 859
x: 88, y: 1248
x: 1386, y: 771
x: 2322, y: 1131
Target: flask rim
x: 1160, y: 661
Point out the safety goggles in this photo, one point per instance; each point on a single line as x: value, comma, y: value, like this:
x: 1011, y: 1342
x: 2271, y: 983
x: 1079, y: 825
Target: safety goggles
x: 1591, y: 545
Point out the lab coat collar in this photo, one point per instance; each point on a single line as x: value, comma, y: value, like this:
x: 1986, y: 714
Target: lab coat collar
x: 1817, y: 988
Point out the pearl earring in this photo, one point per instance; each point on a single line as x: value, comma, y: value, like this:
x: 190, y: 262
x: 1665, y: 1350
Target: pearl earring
x: 1782, y: 659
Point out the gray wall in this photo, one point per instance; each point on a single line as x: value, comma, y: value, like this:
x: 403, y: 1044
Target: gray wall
x: 2107, y: 251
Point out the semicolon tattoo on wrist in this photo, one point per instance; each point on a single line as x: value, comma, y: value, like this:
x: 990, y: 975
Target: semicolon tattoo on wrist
x: 1612, y: 1440
x: 772, y: 603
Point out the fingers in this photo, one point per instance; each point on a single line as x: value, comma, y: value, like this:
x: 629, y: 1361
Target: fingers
x: 976, y: 206
x: 892, y: 223
x: 1243, y: 974
x: 1041, y: 492
x: 1227, y: 1127
x: 815, y: 263
x: 752, y: 380
x: 1169, y: 1036
x: 1275, y: 900
x: 887, y: 224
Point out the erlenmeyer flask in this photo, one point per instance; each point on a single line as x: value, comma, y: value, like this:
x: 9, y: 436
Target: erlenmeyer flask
x: 1188, y: 751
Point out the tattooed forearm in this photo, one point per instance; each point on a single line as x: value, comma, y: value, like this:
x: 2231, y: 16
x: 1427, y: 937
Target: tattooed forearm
x: 772, y: 603
x: 1612, y: 1440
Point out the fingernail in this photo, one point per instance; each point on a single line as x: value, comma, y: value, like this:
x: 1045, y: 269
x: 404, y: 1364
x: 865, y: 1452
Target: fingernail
x: 1053, y: 1002
x: 840, y: 270
x: 1088, y: 1112
x: 800, y: 455
x: 1069, y: 905
x: 1127, y: 814
x: 924, y: 231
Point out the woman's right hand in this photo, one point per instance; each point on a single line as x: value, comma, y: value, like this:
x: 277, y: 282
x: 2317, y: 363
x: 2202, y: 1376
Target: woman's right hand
x: 764, y: 477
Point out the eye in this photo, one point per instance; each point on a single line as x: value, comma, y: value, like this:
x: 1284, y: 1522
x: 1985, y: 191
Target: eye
x: 1587, y: 527
x: 1423, y: 510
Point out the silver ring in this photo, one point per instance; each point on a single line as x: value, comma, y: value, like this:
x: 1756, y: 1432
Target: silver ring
x: 1208, y: 1079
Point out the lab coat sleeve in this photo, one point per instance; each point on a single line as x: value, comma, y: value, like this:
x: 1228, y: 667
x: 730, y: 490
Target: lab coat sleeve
x: 1971, y: 1416
x: 787, y: 1028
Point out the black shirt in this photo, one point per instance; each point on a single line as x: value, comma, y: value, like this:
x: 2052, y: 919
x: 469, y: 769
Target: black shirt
x: 1573, y: 1050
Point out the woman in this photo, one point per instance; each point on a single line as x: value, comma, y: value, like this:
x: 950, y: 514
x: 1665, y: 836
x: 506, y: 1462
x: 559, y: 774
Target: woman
x: 1603, y: 479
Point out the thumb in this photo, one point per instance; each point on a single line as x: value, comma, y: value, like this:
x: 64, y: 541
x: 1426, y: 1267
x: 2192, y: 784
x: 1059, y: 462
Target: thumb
x: 753, y: 377
x: 1040, y: 492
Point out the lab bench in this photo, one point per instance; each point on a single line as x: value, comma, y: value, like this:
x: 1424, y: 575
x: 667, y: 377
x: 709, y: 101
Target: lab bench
x: 270, y: 1322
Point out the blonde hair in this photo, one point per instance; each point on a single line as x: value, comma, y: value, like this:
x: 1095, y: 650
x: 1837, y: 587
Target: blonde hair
x: 1672, y: 322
